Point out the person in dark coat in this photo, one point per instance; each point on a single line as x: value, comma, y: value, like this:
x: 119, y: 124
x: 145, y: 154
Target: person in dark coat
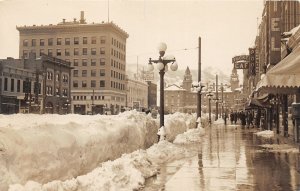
x: 231, y: 118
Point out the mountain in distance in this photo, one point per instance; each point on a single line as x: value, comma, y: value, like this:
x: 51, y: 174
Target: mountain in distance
x: 176, y: 77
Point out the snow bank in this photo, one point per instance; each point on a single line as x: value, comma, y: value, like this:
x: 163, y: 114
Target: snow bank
x: 43, y: 148
x: 126, y: 173
x: 285, y: 148
x: 265, y: 134
x: 219, y: 121
x: 190, y: 136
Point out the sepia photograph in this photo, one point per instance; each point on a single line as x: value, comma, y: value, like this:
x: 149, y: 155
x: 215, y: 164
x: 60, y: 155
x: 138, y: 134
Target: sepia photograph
x: 149, y: 95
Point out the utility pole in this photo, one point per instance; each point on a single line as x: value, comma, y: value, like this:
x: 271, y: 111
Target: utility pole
x: 222, y: 90
x: 217, y: 98
x: 199, y: 80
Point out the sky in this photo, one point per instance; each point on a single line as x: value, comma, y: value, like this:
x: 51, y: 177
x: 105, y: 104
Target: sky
x: 227, y: 28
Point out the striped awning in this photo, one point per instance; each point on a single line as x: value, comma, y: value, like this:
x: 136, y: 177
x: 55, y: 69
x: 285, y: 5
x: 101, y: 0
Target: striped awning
x: 284, y: 77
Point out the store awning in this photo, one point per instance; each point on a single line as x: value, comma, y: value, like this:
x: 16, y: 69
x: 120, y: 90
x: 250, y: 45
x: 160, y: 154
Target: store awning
x: 258, y: 102
x: 284, y: 77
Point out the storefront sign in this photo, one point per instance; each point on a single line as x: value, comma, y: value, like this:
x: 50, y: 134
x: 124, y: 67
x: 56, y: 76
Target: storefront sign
x: 241, y: 65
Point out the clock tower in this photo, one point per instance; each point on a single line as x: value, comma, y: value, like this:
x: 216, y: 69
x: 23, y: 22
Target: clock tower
x: 234, y: 80
x: 187, y: 80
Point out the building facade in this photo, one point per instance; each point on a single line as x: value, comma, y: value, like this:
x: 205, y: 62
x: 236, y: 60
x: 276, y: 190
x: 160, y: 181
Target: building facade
x: 137, y: 94
x: 34, y: 85
x: 183, y: 99
x: 96, y: 51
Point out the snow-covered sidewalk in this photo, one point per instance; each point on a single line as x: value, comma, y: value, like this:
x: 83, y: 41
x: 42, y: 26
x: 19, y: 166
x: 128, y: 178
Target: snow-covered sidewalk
x: 43, y: 148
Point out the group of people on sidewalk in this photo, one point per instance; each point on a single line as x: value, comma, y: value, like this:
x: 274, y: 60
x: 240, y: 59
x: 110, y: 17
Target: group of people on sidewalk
x: 245, y: 117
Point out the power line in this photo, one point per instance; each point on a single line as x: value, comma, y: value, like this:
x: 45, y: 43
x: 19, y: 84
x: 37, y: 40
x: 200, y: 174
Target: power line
x: 176, y: 50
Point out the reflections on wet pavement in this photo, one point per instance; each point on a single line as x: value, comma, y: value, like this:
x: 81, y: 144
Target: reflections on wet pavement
x: 230, y: 158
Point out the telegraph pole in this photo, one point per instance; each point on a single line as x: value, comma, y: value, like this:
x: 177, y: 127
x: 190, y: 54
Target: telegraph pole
x: 199, y: 80
x: 217, y: 98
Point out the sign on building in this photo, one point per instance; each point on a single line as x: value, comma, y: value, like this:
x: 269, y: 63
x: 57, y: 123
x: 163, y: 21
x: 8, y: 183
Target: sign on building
x: 252, y: 60
x: 275, y: 35
x: 241, y: 65
x: 136, y: 105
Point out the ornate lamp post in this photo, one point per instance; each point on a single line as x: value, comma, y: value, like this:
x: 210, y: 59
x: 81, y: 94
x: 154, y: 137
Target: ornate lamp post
x: 209, y: 95
x: 162, y: 66
x: 67, y: 105
x: 198, y: 88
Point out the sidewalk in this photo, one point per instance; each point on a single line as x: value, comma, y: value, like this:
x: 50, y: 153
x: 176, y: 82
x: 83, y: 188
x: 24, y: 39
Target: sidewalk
x: 230, y: 158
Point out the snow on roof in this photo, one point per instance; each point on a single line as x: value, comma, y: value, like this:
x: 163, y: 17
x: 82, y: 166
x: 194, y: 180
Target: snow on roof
x: 174, y: 87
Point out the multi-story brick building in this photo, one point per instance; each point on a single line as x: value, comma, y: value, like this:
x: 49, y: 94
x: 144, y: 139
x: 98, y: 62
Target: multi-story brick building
x: 34, y: 85
x: 183, y: 99
x: 137, y: 94
x: 96, y: 51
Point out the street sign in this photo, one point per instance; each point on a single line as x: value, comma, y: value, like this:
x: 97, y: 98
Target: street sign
x: 241, y: 65
x: 148, y: 76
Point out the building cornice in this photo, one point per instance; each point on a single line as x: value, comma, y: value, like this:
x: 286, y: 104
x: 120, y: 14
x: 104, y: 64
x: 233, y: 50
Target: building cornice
x: 71, y: 27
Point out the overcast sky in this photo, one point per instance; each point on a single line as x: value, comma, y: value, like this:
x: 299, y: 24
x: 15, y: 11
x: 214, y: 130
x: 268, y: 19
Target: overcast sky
x: 227, y: 28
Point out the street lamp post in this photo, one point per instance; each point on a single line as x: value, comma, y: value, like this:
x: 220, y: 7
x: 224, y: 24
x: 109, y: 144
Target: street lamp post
x: 198, y: 88
x: 162, y: 66
x: 67, y: 104
x: 209, y: 95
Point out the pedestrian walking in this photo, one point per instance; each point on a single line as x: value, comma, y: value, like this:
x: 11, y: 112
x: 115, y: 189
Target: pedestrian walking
x: 231, y: 118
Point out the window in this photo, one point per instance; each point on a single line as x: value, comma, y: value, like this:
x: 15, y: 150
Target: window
x: 50, y: 53
x: 102, y: 61
x: 42, y: 51
x: 67, y: 41
x: 33, y: 42
x: 93, y: 62
x: 65, y: 92
x: 76, y: 40
x: 58, y: 52
x: 57, y: 77
x: 25, y: 53
x: 84, y: 62
x: 102, y: 72
x: 75, y: 84
x: 93, y: 83
x: 102, y: 50
x: 65, y: 78
x: 84, y: 73
x: 93, y: 51
x: 49, y: 76
x: 93, y: 73
x: 42, y: 42
x: 58, y: 41
x: 102, y: 83
x: 25, y: 42
x: 75, y: 73
x: 94, y: 40
x: 12, y: 85
x: 111, y: 62
x: 49, y: 90
x: 76, y: 51
x: 18, y: 85
x: 75, y: 62
x: 102, y: 39
x: 56, y: 91
x: 50, y: 41
x: 83, y: 84
x: 84, y: 51
x: 5, y: 84
x: 67, y: 52
x: 84, y: 40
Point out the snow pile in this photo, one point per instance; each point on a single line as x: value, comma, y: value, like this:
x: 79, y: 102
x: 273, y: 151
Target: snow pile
x: 219, y: 121
x: 265, y: 134
x: 190, y: 136
x: 126, y: 173
x: 43, y: 148
x: 280, y: 148
x: 178, y: 123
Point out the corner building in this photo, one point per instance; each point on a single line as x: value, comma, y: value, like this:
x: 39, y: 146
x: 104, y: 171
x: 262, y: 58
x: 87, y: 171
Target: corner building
x: 96, y: 51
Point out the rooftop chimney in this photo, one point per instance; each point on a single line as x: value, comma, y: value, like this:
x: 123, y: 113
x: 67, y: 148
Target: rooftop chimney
x: 82, y: 20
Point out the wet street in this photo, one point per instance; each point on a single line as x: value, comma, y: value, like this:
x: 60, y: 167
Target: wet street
x: 230, y: 158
